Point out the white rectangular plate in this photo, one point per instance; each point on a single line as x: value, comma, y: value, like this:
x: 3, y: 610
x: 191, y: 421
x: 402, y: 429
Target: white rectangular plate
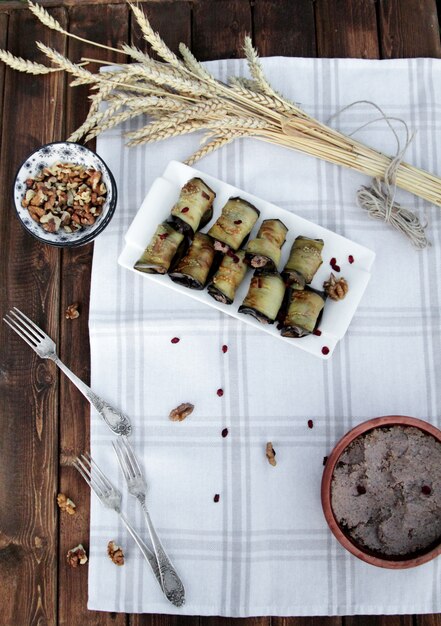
x: 336, y: 315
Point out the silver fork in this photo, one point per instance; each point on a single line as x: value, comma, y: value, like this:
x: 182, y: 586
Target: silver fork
x: 43, y: 345
x: 111, y: 497
x: 171, y: 583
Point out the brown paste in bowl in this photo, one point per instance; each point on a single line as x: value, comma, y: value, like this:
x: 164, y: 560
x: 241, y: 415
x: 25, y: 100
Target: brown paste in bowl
x: 386, y: 490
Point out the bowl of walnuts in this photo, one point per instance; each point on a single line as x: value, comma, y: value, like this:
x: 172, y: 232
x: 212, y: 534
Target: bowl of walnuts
x: 64, y: 194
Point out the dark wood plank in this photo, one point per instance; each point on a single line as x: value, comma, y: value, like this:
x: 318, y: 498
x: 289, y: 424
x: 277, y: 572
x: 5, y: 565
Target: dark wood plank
x: 219, y: 27
x: 28, y: 385
x: 378, y: 620
x: 107, y: 25
x: 346, y: 28
x: 3, y: 39
x: 285, y: 28
x: 171, y: 20
x: 409, y: 29
x: 428, y: 620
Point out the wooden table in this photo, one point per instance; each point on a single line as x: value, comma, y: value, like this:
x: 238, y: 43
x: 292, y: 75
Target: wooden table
x: 44, y: 421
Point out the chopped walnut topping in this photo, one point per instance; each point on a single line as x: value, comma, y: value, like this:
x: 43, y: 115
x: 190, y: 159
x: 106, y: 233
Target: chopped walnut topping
x: 115, y: 553
x: 77, y: 556
x: 181, y: 412
x: 336, y: 288
x: 66, y: 504
x: 72, y: 312
x: 270, y: 454
x: 65, y: 188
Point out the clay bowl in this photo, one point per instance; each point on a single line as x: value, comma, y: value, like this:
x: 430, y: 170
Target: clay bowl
x: 418, y: 558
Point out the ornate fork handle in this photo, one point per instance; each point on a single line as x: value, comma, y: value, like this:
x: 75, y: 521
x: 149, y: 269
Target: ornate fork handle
x: 171, y: 583
x: 115, y: 420
x: 146, y: 553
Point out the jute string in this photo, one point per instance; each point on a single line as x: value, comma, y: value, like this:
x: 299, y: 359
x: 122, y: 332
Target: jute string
x: 378, y: 199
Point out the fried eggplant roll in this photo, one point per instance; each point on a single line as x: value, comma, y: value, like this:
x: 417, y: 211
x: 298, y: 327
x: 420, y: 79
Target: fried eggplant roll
x: 264, y: 297
x: 304, y: 307
x: 194, y: 208
x: 229, y: 276
x: 265, y: 250
x: 193, y: 270
x: 234, y: 224
x: 163, y: 251
x: 304, y: 260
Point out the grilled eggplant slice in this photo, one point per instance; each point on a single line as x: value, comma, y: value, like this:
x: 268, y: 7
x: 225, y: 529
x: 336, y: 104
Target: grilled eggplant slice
x: 265, y: 250
x: 164, y: 250
x: 234, y: 224
x: 194, y: 208
x: 228, y: 277
x: 264, y: 297
x: 304, y: 260
x: 304, y: 307
x: 193, y: 270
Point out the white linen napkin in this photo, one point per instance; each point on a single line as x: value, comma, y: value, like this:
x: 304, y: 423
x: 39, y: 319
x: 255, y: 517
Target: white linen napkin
x: 265, y: 548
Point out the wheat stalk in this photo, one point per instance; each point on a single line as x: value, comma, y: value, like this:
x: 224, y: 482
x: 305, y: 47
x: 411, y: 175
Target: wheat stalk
x: 180, y: 96
x: 22, y: 65
x: 154, y: 39
x: 213, y: 145
x: 49, y: 21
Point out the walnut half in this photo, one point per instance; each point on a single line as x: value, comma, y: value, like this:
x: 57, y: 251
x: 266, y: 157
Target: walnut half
x: 115, y: 553
x: 66, y: 504
x: 77, y: 556
x: 181, y: 412
x: 270, y: 454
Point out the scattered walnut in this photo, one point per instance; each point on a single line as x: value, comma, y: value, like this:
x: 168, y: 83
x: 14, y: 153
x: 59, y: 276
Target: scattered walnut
x: 336, y: 288
x: 65, y: 188
x: 66, y: 504
x: 270, y: 454
x: 77, y: 556
x: 115, y: 553
x: 72, y: 311
x: 181, y: 412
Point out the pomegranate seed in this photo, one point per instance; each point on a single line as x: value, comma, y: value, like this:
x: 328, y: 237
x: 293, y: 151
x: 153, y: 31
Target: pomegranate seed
x: 336, y: 268
x: 361, y: 490
x: 225, y: 432
x: 216, y: 498
x: 333, y: 261
x: 350, y: 258
x: 317, y: 332
x: 325, y: 460
x: 426, y: 490
x: 224, y: 349
x: 163, y: 236
x: 220, y: 392
x: 325, y: 350
x: 238, y: 221
x: 175, y: 340
x: 185, y: 209
x: 205, y: 195
x: 310, y: 424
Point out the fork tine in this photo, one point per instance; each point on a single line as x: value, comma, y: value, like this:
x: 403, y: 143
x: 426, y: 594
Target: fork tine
x: 20, y: 332
x: 105, y: 481
x: 91, y: 480
x: 25, y: 319
x: 131, y: 458
x: 24, y: 325
x: 121, y: 460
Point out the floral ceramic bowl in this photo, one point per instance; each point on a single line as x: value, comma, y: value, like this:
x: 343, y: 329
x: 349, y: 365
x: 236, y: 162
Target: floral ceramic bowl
x: 46, y: 157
